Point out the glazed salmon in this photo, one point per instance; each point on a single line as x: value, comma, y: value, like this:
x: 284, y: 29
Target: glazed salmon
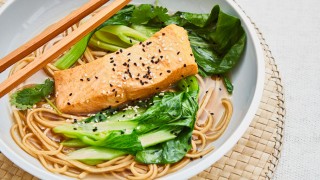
x: 128, y: 74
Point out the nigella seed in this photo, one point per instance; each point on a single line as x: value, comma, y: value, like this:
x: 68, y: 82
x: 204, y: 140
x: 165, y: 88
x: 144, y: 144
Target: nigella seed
x: 168, y: 71
x: 70, y: 94
x: 88, y: 79
x: 184, y: 65
x: 178, y: 52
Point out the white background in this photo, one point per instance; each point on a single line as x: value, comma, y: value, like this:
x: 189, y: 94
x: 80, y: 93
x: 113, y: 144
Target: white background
x: 292, y: 30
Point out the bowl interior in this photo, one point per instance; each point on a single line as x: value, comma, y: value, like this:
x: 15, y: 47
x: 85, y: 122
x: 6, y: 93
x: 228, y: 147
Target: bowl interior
x: 21, y: 20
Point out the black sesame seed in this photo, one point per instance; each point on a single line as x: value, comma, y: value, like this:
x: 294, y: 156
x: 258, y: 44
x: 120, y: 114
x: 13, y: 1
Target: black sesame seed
x: 113, y: 69
x: 68, y: 103
x: 157, y: 88
x: 191, y: 54
x: 112, y: 61
x: 184, y: 65
x: 117, y: 101
x: 88, y: 79
x: 115, y: 94
x: 159, y: 51
x: 141, y: 82
x: 121, y: 50
x: 129, y: 60
x: 160, y: 74
x: 212, y: 113
x: 111, y: 58
x: 94, y: 129
x: 114, y: 65
x: 143, y: 50
x: 219, y: 89
x: 143, y: 45
x: 206, y: 92
x: 96, y: 77
x: 178, y: 52
x: 191, y: 159
x: 143, y: 64
x: 140, y: 43
x: 81, y: 79
x: 130, y: 41
x: 124, y: 64
x: 182, y: 76
x: 163, y: 34
x: 140, y: 58
x: 135, y: 115
x: 137, y: 78
x: 124, y: 115
x: 148, y: 43
x: 75, y: 129
x: 111, y: 85
x: 75, y: 120
x: 70, y: 94
x: 168, y: 71
x: 161, y: 57
x: 135, y: 64
x: 113, y: 90
x: 201, y: 156
x: 138, y: 74
x: 117, y: 52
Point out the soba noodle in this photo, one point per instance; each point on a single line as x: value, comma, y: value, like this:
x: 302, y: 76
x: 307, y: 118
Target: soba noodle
x: 31, y: 129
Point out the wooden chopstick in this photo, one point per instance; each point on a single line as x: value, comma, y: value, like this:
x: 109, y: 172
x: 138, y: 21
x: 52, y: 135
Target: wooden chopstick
x: 60, y: 47
x: 49, y: 33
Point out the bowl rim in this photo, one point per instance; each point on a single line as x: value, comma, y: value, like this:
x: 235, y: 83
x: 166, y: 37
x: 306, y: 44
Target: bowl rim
x: 201, y: 165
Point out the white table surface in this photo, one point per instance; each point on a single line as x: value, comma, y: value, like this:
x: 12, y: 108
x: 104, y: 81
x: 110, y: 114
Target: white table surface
x: 292, y: 30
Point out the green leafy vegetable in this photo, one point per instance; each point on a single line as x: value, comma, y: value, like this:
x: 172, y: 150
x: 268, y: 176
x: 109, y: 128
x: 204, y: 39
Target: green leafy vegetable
x: 146, y: 12
x: 165, y: 125
x: 26, y: 98
x: 228, y: 84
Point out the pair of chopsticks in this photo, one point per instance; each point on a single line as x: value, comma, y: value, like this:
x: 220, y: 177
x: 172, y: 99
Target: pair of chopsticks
x: 60, y: 47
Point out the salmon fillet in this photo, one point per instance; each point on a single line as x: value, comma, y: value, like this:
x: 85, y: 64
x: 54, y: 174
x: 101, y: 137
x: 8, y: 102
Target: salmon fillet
x: 128, y: 74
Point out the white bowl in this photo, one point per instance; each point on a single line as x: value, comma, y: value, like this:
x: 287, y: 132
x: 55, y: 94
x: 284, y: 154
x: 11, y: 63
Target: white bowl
x: 21, y: 20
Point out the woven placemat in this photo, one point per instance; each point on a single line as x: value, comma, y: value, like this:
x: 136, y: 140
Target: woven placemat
x: 256, y: 154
